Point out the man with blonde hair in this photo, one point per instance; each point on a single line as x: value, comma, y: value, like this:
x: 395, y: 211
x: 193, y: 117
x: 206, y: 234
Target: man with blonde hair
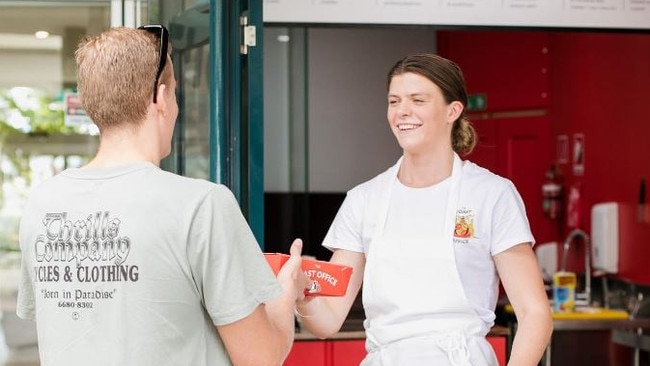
x: 127, y: 264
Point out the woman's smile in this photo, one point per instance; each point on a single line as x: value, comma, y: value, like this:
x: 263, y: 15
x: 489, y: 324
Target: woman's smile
x: 408, y: 126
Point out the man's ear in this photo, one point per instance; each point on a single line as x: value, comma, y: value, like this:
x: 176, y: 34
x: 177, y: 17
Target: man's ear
x: 161, y: 101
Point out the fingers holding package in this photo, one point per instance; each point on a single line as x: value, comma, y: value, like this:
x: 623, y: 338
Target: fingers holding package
x: 291, y: 275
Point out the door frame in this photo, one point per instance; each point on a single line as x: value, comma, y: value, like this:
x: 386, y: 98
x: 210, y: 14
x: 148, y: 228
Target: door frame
x: 236, y: 157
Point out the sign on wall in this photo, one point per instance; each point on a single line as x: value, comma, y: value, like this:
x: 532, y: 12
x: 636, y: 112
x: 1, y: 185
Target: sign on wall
x: 615, y: 14
x: 74, y: 112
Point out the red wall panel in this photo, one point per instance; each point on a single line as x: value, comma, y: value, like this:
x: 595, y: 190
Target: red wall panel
x: 594, y: 84
x: 600, y: 87
x: 499, y: 346
x: 633, y: 253
x: 524, y: 156
x: 510, y: 67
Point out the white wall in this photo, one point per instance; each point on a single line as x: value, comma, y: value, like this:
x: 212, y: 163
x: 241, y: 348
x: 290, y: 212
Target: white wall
x: 349, y: 137
x: 36, y: 69
x: 276, y: 111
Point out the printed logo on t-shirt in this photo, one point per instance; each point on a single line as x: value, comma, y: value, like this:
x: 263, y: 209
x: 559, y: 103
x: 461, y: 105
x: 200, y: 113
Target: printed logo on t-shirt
x: 464, y: 226
x: 77, y: 260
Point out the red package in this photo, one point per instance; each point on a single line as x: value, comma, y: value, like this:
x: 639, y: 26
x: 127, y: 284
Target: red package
x: 328, y: 279
x: 276, y: 261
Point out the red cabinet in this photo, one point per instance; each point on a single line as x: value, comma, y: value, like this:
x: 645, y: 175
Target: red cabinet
x: 327, y: 353
x: 351, y: 352
x: 348, y: 353
x: 308, y: 353
x: 499, y: 346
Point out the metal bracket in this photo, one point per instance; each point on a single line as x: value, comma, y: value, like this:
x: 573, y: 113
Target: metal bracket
x: 249, y: 35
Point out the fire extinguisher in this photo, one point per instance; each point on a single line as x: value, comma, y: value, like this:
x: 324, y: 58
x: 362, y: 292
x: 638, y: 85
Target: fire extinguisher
x: 552, y: 194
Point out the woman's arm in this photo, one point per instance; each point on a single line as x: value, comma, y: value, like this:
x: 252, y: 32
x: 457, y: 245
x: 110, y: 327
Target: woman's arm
x: 322, y: 315
x: 523, y: 284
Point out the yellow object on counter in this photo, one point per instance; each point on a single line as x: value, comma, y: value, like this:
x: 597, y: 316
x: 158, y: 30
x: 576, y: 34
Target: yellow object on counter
x: 564, y: 292
x: 585, y: 313
x: 592, y: 313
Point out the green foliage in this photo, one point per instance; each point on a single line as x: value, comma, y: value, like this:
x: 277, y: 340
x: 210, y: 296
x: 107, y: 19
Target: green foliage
x: 24, y: 111
x: 44, y: 113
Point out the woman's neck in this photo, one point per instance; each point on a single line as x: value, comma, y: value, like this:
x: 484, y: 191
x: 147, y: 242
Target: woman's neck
x: 420, y: 171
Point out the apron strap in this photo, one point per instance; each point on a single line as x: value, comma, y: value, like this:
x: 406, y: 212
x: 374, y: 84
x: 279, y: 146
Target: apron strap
x: 455, y: 346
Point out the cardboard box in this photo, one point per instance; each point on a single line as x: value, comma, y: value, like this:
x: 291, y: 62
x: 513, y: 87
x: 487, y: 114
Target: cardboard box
x: 329, y: 279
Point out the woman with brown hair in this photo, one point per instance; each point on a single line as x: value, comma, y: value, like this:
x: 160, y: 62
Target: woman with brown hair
x: 431, y: 237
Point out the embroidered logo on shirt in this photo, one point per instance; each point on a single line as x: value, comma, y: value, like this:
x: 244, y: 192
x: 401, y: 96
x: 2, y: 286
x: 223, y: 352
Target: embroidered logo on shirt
x: 464, y: 226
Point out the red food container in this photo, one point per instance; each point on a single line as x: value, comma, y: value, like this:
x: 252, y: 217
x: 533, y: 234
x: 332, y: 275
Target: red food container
x: 332, y: 279
x: 276, y: 261
x: 329, y: 279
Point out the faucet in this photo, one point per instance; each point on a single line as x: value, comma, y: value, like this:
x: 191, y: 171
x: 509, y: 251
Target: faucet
x: 578, y: 233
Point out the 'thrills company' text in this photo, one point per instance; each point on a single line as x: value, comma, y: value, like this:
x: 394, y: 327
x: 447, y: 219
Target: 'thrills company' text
x: 88, y: 242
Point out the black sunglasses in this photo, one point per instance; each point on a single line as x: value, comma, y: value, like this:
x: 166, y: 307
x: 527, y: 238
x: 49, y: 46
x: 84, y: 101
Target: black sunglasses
x: 163, y: 35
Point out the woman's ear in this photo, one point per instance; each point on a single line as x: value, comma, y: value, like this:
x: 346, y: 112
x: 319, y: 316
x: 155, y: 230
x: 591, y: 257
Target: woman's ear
x: 454, y: 110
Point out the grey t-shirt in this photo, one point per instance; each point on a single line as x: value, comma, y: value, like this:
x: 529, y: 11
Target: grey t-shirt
x: 135, y: 266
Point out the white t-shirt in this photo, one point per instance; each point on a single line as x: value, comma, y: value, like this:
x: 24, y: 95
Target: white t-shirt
x: 421, y: 210
x: 135, y: 266
x: 490, y: 204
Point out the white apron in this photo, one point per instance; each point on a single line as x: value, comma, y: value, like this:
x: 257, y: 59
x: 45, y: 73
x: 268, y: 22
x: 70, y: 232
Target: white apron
x: 416, y: 309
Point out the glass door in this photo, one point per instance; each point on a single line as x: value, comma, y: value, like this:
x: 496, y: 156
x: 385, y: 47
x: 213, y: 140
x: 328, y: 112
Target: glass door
x: 43, y: 130
x: 191, y: 155
x: 219, y: 134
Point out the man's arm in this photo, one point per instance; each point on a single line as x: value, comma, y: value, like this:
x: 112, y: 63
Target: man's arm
x: 265, y: 336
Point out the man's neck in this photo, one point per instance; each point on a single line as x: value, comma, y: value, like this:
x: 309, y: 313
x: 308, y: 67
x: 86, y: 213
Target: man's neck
x: 126, y: 146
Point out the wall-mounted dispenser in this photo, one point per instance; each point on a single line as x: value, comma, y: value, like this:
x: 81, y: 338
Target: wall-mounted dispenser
x: 605, y: 236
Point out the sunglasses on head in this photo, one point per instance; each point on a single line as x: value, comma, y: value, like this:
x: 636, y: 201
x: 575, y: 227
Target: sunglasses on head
x: 163, y: 35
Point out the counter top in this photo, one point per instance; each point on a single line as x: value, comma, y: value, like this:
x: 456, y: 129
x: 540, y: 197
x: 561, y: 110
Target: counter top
x: 598, y: 319
x: 304, y: 335
x: 349, y: 333
x: 592, y: 313
x: 600, y: 324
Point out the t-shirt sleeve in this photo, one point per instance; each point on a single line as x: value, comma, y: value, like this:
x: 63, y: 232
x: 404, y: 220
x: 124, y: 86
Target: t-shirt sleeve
x: 26, y: 304
x: 345, y: 231
x: 227, y: 264
x: 509, y: 222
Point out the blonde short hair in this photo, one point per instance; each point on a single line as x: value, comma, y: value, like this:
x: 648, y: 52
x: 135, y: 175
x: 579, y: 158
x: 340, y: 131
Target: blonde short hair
x: 115, y: 71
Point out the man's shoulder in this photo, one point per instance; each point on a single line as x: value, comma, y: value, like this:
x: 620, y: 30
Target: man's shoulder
x: 189, y: 186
